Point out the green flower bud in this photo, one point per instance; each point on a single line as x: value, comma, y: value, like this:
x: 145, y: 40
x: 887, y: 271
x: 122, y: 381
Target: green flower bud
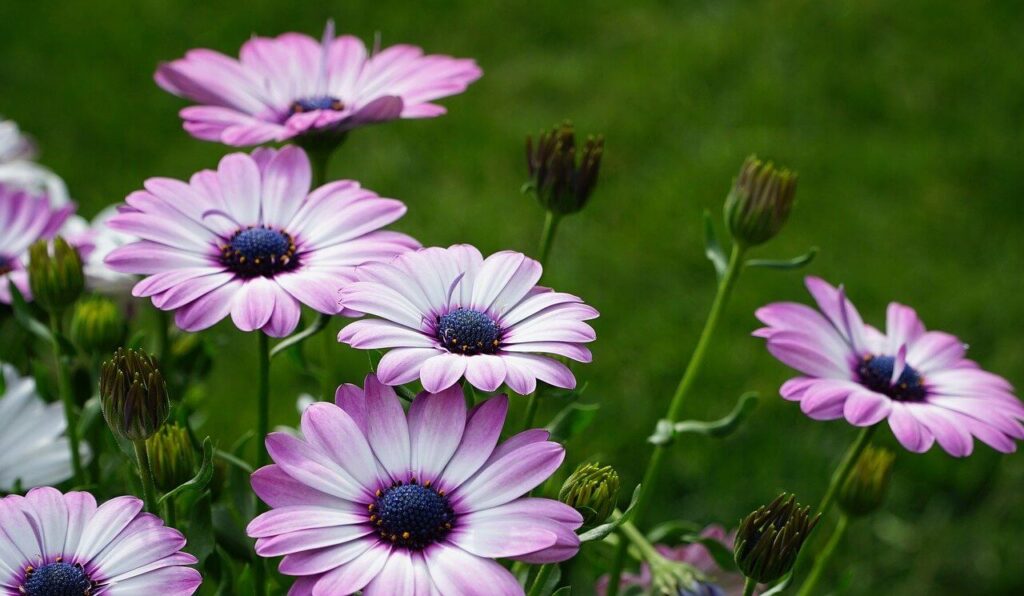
x: 171, y: 457
x: 865, y: 488
x: 97, y: 325
x: 563, y: 184
x: 769, y: 539
x: 592, y: 490
x: 134, y: 395
x: 55, y: 276
x: 759, y: 203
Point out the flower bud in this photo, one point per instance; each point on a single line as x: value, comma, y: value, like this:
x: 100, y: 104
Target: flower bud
x: 97, y: 325
x: 171, y: 456
x: 769, y: 539
x: 592, y: 491
x: 563, y: 184
x: 134, y: 395
x: 759, y: 203
x: 55, y: 276
x: 864, y: 490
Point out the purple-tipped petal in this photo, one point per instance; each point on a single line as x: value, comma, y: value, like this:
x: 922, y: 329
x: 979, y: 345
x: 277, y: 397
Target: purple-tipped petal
x: 510, y: 477
x: 436, y: 424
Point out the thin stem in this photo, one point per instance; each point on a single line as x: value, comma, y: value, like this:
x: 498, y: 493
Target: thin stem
x: 547, y: 236
x: 749, y: 587
x: 845, y: 466
x: 725, y: 287
x: 319, y: 158
x: 629, y: 530
x: 531, y: 411
x: 70, y: 414
x: 263, y: 400
x: 145, y: 475
x: 542, y: 578
x: 823, y: 560
x: 315, y: 327
x: 170, y: 512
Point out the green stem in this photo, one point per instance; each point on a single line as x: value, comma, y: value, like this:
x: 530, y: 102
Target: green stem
x: 725, y: 287
x: 531, y: 411
x: 319, y: 158
x: 170, y: 512
x: 547, y: 236
x: 749, y: 587
x: 145, y: 475
x: 542, y: 578
x: 630, y: 531
x: 823, y: 560
x: 70, y: 415
x: 845, y: 466
x: 263, y: 401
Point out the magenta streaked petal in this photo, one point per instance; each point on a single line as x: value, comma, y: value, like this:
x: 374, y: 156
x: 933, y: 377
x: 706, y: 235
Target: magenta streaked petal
x: 254, y: 303
x: 436, y: 424
x: 211, y: 78
x: 375, y: 299
x: 566, y: 546
x: 509, y: 477
x: 951, y: 435
x: 486, y: 372
x: 495, y: 537
x: 350, y: 398
x: 866, y: 408
x: 304, y: 540
x: 283, y: 520
x: 286, y: 181
x: 803, y: 352
x: 333, y: 432
x: 545, y: 369
x: 826, y: 399
x: 240, y: 183
x: 902, y: 326
x: 161, y: 282
x: 49, y: 512
x: 839, y: 310
x: 564, y: 330
x: 442, y: 371
x: 373, y: 334
x: 935, y: 351
x: 536, y: 507
x: 355, y: 574
x: 908, y: 430
x: 107, y: 522
x: 404, y: 573
x: 317, y: 290
x: 185, y: 291
x: 321, y: 560
x: 535, y: 303
x: 455, y: 571
x: 387, y: 429
x: 145, y: 257
x: 207, y: 310
x: 795, y: 388
x: 315, y: 469
x: 172, y: 581
x: 402, y: 365
x: 533, y: 435
x: 478, y: 441
x: 497, y: 271
x: 277, y: 489
x: 285, y: 317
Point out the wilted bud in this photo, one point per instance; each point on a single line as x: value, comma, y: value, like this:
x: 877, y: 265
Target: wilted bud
x: 563, y: 184
x: 55, y: 276
x: 171, y: 456
x: 769, y: 539
x: 865, y: 488
x: 134, y: 395
x: 97, y: 325
x: 592, y: 490
x: 759, y: 203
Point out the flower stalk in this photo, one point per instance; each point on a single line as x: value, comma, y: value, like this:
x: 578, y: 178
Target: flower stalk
x: 145, y: 474
x: 821, y: 563
x: 67, y: 399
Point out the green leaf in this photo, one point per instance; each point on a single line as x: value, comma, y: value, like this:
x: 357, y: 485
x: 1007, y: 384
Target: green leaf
x: 315, y: 327
x: 202, y: 478
x: 781, y: 586
x: 719, y: 552
x: 599, y: 532
x: 712, y: 249
x: 785, y: 264
x: 665, y: 432
x: 563, y: 591
x: 23, y: 314
x: 231, y: 459
x: 571, y: 421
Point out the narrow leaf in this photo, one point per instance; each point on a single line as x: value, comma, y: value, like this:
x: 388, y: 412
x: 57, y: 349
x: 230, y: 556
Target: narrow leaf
x: 785, y: 264
x: 599, y: 532
x: 722, y: 427
x: 201, y: 479
x: 571, y: 421
x: 712, y: 249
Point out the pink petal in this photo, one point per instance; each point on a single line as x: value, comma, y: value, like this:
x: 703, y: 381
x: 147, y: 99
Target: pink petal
x: 436, y: 424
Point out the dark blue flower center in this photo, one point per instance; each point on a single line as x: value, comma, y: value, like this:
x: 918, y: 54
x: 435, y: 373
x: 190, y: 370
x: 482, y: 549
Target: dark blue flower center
x: 57, y: 579
x: 316, y: 103
x: 259, y: 251
x: 411, y: 515
x: 465, y: 331
x: 5, y: 265
x: 875, y: 373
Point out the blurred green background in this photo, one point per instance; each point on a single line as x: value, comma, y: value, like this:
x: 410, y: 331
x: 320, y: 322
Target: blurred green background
x: 904, y: 121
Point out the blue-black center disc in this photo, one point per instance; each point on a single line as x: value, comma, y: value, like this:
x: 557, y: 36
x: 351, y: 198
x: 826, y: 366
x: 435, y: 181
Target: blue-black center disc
x: 57, y: 579
x: 465, y: 331
x: 875, y: 373
x: 259, y: 251
x: 412, y: 515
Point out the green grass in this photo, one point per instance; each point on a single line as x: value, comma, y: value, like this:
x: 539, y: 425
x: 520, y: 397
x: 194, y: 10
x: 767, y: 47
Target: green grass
x: 903, y: 120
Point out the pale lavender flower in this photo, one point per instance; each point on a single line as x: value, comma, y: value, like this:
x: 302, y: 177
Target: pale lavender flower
x: 449, y: 313
x: 918, y: 380
x: 251, y: 241
x: 376, y: 500
x: 54, y: 543
x: 292, y: 85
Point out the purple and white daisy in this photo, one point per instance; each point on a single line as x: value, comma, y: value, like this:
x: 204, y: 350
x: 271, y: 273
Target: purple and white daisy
x: 919, y: 380
x: 449, y: 313
x: 292, y: 85
x: 54, y: 543
x: 18, y: 170
x: 252, y: 241
x: 33, y: 448
x: 375, y: 500
x: 24, y: 219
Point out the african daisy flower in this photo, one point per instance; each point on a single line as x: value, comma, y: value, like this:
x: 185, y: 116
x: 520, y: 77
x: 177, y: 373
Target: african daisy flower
x: 449, y: 312
x: 919, y: 380
x: 55, y: 544
x: 24, y: 218
x: 33, y: 448
x: 372, y: 499
x: 252, y: 241
x: 291, y: 86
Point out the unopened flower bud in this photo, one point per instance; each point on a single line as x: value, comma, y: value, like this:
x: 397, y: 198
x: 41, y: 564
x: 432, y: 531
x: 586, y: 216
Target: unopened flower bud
x: 563, y: 183
x: 769, y: 539
x: 55, y: 275
x: 171, y: 456
x: 865, y: 488
x: 759, y: 203
x: 97, y: 325
x: 134, y: 395
x: 591, y: 490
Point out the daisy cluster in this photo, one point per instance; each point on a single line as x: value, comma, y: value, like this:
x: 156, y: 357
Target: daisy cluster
x: 433, y: 476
